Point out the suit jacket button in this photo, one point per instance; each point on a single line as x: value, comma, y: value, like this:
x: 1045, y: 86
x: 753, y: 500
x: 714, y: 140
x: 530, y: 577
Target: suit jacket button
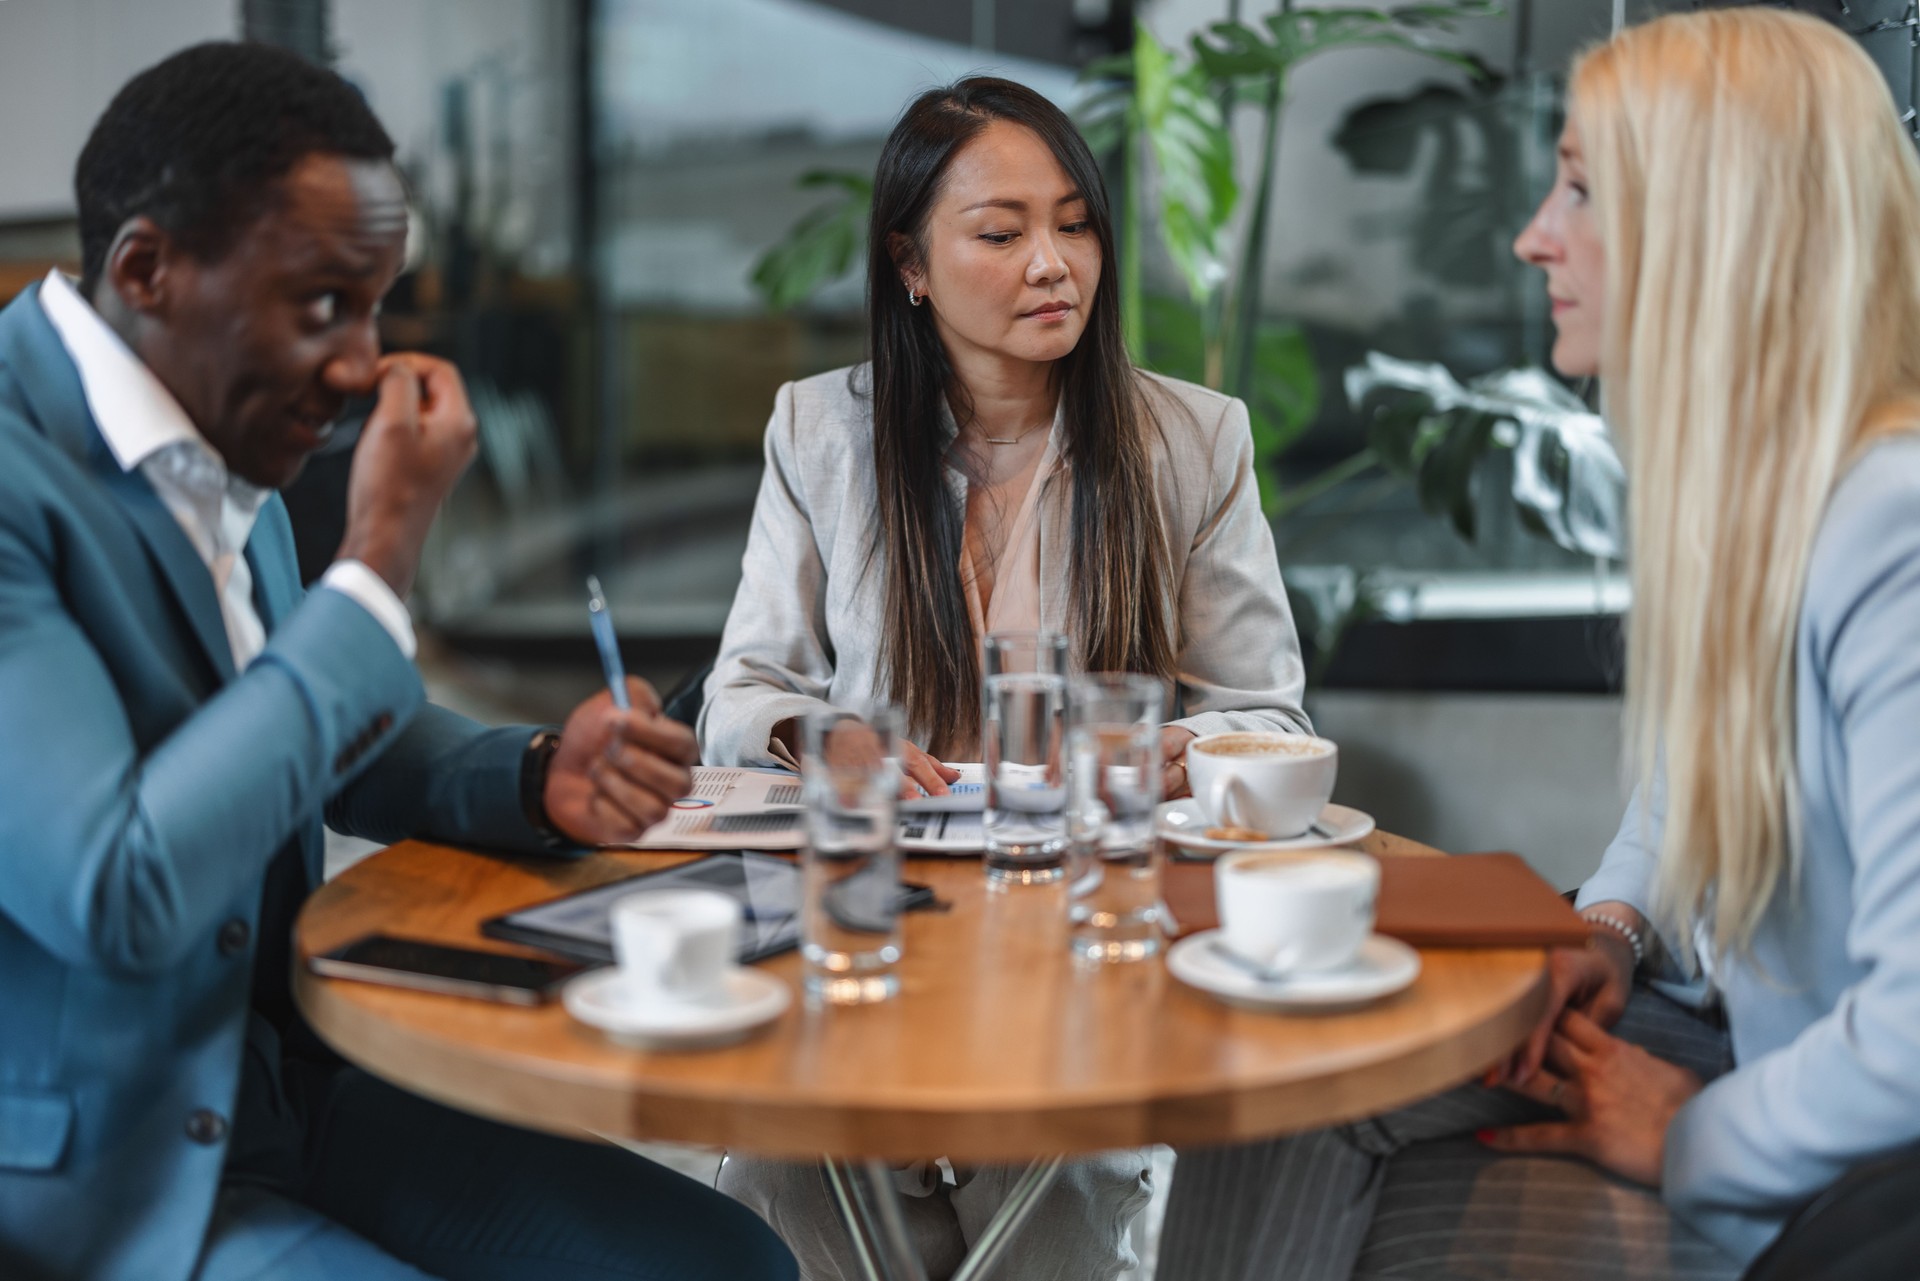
x: 234, y: 936
x: 206, y: 1126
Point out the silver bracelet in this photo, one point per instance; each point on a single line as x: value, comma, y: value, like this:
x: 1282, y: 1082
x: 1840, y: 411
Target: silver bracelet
x: 1620, y: 927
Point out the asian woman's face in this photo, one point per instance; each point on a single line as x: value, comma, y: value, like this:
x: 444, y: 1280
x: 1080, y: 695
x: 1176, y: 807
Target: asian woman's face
x: 1011, y: 263
x: 1563, y: 240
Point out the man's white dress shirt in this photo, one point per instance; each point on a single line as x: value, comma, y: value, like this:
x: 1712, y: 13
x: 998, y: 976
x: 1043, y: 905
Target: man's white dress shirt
x: 145, y: 427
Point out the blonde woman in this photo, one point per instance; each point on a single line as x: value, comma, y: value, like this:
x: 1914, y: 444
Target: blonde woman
x: 1733, y: 242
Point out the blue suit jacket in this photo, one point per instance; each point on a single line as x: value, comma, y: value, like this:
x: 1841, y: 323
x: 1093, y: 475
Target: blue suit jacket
x: 144, y: 789
x: 1825, y: 1011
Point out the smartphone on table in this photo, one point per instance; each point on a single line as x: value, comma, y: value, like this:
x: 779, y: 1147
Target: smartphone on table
x: 454, y: 971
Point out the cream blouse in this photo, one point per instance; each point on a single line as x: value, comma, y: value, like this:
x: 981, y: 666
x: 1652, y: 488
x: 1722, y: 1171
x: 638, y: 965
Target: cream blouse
x: 1014, y: 605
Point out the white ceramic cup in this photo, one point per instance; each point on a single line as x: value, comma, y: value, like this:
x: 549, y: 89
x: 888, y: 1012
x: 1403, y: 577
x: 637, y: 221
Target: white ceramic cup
x: 675, y: 945
x: 1265, y: 782
x: 1296, y: 911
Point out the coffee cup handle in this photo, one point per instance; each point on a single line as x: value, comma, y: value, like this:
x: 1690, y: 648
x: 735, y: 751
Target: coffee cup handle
x: 1220, y: 800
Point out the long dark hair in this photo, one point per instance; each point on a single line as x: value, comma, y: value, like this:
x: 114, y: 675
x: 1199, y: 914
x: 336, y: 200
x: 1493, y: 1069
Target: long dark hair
x: 1119, y: 564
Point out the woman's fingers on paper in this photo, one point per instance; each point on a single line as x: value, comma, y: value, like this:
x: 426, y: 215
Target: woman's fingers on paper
x: 924, y: 770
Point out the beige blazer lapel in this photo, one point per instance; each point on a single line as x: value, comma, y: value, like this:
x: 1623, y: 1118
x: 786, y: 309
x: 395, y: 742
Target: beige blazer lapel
x: 1056, y: 549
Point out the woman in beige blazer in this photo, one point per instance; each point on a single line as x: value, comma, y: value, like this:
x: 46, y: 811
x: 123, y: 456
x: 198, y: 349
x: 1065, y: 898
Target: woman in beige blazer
x: 998, y: 465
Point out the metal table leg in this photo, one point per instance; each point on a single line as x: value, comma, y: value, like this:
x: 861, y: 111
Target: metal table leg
x: 870, y: 1207
x: 1006, y: 1221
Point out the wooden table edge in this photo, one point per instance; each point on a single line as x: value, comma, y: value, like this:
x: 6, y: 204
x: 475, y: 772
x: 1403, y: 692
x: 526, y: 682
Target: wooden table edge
x: 801, y: 1130
x: 680, y: 1111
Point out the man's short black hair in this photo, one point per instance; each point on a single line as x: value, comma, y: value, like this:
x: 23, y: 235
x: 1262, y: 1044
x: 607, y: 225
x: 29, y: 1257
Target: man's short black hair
x: 199, y: 142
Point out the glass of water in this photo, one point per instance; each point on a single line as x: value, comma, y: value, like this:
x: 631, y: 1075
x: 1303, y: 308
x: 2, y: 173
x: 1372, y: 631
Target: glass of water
x: 850, y: 866
x: 1022, y: 733
x: 1113, y: 755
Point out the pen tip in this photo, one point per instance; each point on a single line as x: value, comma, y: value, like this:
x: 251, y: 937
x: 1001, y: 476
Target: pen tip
x: 593, y: 585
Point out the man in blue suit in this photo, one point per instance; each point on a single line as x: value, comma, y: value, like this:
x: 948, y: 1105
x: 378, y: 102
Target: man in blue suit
x: 180, y: 716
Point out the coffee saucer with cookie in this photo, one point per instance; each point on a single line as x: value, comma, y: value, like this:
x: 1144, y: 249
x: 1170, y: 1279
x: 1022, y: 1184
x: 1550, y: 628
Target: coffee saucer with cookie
x: 1185, y: 824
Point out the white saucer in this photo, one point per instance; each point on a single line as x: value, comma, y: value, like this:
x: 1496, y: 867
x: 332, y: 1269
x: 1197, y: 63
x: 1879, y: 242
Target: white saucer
x: 1384, y: 967
x: 752, y: 997
x: 1185, y: 824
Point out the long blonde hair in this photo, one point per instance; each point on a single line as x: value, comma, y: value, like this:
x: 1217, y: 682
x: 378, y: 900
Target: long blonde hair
x: 1759, y: 205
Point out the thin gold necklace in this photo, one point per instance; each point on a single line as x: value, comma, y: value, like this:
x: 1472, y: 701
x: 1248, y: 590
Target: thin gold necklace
x: 1014, y: 440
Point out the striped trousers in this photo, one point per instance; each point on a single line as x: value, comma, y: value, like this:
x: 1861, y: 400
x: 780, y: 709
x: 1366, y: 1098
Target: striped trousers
x: 1411, y: 1194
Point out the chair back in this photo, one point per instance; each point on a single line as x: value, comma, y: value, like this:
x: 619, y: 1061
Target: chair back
x: 684, y: 701
x: 1863, y: 1228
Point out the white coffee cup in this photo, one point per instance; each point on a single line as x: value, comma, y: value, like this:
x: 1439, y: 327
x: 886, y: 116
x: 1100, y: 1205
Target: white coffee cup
x: 1296, y: 911
x: 1264, y: 782
x: 675, y: 946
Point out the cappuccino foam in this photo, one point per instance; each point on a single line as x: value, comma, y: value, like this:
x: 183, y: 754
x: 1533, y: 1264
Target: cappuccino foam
x: 1263, y: 745
x: 1307, y: 869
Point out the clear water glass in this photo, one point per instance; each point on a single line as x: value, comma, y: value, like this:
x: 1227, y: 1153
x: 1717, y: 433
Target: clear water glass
x: 1022, y: 736
x: 850, y: 866
x: 1113, y: 769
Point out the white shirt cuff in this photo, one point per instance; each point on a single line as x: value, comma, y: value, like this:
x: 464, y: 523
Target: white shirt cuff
x: 361, y: 584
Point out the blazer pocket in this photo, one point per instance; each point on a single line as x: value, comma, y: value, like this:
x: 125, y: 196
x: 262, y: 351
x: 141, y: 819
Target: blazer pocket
x: 34, y: 1126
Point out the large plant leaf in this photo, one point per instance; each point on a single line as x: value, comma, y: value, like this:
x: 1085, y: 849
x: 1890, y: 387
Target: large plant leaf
x: 1234, y: 51
x: 823, y: 245
x: 1176, y: 339
x: 1464, y: 145
x: 1568, y: 483
x: 1283, y: 402
x: 1446, y: 484
x: 1102, y: 115
x: 1231, y: 51
x: 1192, y: 152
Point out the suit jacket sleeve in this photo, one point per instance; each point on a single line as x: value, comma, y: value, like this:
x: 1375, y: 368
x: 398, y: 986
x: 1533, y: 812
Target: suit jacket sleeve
x: 1766, y: 1137
x: 775, y: 660
x: 1239, y: 664
x: 122, y: 857
x: 445, y: 778
x: 1627, y: 875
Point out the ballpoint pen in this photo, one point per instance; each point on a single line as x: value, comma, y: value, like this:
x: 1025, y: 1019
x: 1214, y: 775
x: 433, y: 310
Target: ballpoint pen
x: 608, y: 643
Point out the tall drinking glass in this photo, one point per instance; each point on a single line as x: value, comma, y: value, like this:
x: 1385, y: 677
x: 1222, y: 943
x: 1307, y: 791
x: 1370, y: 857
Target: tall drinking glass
x: 1023, y: 722
x: 1113, y: 755
x: 850, y: 866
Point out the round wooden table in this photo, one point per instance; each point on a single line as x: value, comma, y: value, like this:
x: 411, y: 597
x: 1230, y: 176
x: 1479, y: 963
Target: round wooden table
x: 998, y: 1049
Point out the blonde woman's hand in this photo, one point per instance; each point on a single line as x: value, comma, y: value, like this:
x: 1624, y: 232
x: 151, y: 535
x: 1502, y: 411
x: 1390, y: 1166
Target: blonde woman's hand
x: 1596, y: 980
x: 1619, y: 1100
x: 1173, y: 762
x: 922, y: 774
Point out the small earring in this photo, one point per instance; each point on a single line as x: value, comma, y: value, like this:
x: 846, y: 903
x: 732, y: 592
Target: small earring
x: 913, y: 299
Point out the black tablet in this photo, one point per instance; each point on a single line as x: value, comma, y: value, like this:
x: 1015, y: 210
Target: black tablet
x: 767, y: 887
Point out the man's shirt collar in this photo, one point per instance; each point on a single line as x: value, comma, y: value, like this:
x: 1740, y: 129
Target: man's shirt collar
x: 135, y: 412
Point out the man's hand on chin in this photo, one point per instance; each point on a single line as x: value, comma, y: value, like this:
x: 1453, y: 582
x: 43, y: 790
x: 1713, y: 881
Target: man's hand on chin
x: 616, y: 773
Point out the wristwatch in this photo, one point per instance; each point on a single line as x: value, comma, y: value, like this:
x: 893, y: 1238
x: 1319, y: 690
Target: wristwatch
x: 535, y: 764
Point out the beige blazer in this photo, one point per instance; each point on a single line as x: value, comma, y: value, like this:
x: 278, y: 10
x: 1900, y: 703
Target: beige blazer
x: 804, y: 631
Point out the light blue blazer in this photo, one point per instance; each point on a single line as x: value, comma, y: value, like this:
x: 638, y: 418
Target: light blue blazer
x: 1825, y: 1015
x: 144, y: 789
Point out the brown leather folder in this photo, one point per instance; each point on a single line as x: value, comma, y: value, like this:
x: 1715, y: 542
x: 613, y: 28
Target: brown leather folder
x: 1463, y: 900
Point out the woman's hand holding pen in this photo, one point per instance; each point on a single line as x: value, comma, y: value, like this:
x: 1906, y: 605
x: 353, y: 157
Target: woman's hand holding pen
x: 617, y: 772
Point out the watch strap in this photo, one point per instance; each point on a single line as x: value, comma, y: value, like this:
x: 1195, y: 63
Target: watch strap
x: 535, y: 765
